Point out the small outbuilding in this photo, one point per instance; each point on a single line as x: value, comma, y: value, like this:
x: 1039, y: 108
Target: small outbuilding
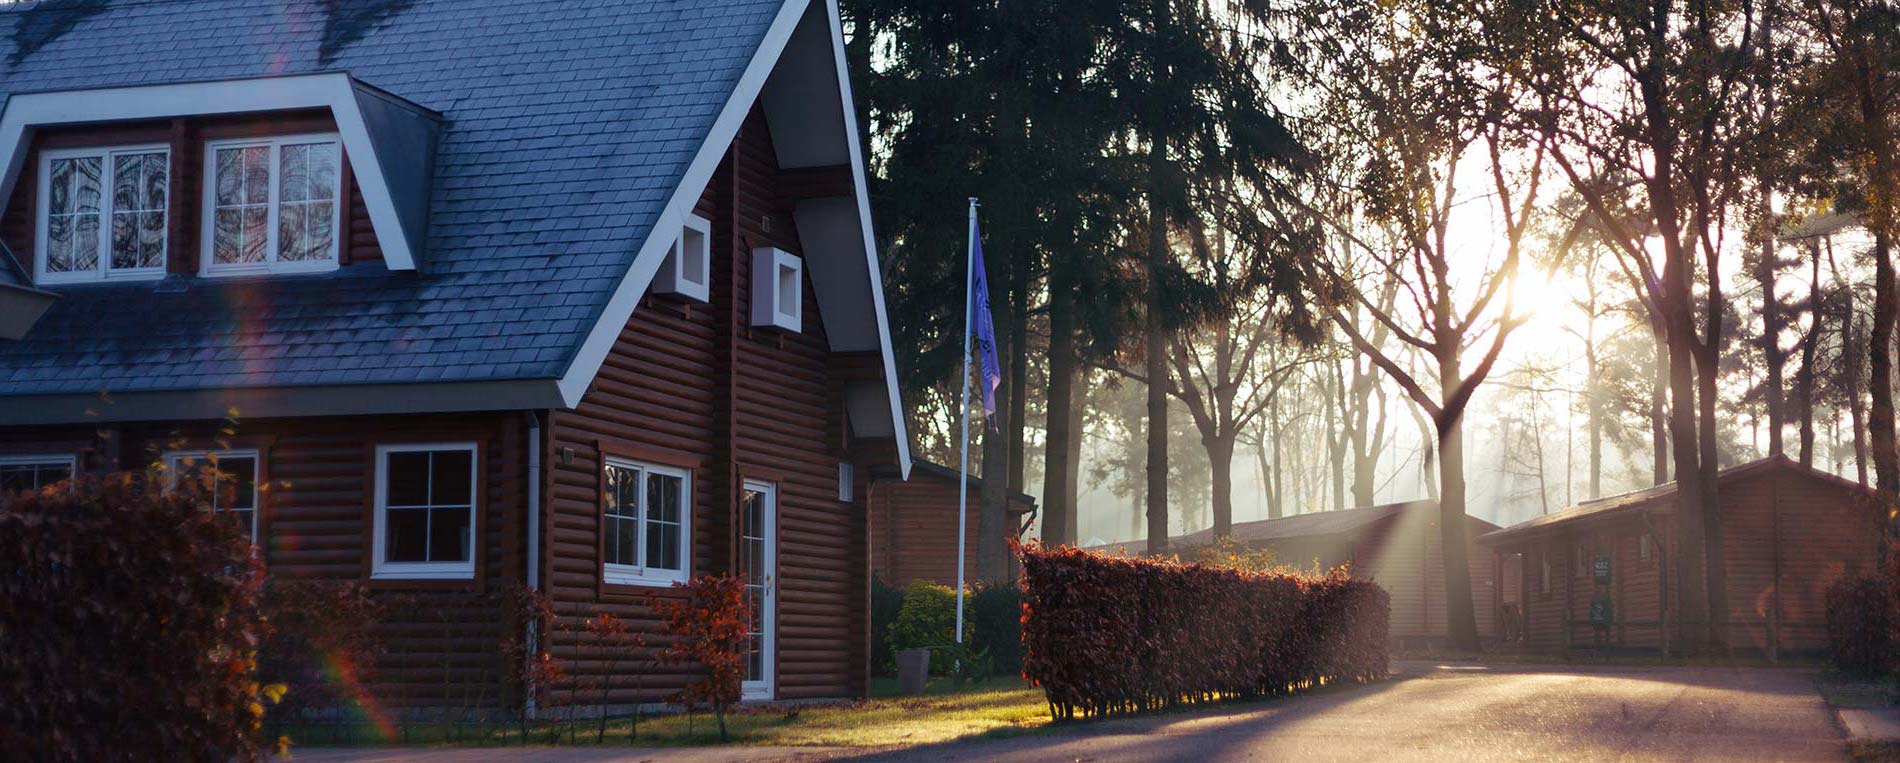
x: 1599, y: 575
x: 914, y: 525
x: 1397, y: 545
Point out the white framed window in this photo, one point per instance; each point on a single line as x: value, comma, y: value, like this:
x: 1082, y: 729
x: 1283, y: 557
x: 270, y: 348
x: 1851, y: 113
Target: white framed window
x: 24, y: 473
x: 687, y: 270
x: 646, y: 523
x: 778, y: 288
x: 272, y: 205
x: 425, y: 512
x: 231, y: 489
x: 102, y: 214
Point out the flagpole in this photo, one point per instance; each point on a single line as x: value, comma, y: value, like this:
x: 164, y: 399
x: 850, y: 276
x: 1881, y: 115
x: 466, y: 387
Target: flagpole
x: 963, y: 438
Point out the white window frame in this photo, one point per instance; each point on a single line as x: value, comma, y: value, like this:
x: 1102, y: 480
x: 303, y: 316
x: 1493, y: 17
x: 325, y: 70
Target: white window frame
x: 102, y: 270
x: 172, y: 470
x: 42, y: 459
x: 769, y: 308
x: 671, y: 278
x: 380, y: 569
x: 640, y: 574
x: 208, y: 203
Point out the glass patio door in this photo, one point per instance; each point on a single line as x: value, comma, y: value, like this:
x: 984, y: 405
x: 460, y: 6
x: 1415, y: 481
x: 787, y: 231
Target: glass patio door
x: 758, y: 564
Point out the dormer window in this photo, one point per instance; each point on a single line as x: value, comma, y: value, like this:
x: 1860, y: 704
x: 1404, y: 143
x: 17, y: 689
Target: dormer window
x: 777, y: 289
x: 271, y: 205
x: 687, y: 270
x: 102, y: 213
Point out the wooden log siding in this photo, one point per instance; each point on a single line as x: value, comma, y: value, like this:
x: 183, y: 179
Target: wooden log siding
x: 1789, y: 534
x: 694, y: 383
x: 317, y: 494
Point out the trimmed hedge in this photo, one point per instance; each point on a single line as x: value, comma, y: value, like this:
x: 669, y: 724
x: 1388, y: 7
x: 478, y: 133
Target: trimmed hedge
x: 129, y: 624
x: 1112, y: 635
x: 1862, y: 625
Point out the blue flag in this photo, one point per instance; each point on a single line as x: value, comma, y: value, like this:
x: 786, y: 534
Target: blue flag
x: 985, y: 330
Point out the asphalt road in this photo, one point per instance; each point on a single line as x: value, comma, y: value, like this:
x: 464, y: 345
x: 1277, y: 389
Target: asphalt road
x: 1472, y: 714
x: 1428, y: 712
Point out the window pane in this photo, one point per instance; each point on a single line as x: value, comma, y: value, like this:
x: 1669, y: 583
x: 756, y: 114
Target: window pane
x: 138, y: 209
x: 230, y: 163
x: 60, y: 233
x: 408, y: 535
x: 73, y: 212
x: 291, y: 243
x: 241, y: 473
x: 324, y: 159
x: 240, y: 232
x: 293, y: 181
x: 408, y: 479
x: 16, y: 477
x: 663, y: 522
x: 451, y: 470
x: 255, y: 221
x: 256, y: 175
x: 450, y: 536
x: 622, y: 534
x: 244, y: 520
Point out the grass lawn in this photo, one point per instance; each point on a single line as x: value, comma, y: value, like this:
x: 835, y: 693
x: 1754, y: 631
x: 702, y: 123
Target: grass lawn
x: 943, y: 713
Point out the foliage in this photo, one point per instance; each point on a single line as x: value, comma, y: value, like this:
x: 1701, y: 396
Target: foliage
x: 996, y: 625
x: 1862, y: 625
x: 130, y: 621
x: 1227, y: 553
x: 928, y: 619
x: 886, y: 600
x: 318, y: 630
x: 1112, y: 635
x: 614, y: 643
x: 709, y: 626
x: 525, y: 644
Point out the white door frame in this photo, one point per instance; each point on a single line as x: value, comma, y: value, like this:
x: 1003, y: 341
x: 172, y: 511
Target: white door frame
x: 764, y: 688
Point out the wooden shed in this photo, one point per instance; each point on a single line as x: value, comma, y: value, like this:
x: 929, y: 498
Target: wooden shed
x: 914, y: 525
x: 1397, y: 545
x: 1789, y: 532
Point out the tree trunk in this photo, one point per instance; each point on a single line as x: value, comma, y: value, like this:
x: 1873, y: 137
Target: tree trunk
x: 1276, y: 500
x: 1018, y: 374
x: 1851, y: 358
x: 1715, y: 560
x: 1058, y: 504
x: 1771, y: 320
x: 1460, y: 611
x: 1220, y: 459
x: 1157, y: 359
x: 1659, y: 414
x: 1692, y: 589
x: 1880, y: 414
x: 993, y: 528
x: 1804, y: 378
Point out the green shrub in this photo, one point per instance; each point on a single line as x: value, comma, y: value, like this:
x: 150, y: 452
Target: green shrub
x: 928, y: 618
x: 1861, y: 625
x: 886, y: 600
x: 995, y: 611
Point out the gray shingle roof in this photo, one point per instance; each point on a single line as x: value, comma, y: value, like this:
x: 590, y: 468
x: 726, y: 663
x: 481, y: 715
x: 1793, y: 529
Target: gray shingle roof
x: 565, y: 128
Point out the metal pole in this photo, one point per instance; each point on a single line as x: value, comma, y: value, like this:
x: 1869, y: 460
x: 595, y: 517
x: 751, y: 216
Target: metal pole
x: 963, y: 439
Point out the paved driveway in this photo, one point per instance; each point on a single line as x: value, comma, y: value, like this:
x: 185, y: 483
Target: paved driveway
x: 1464, y: 714
x: 1471, y: 714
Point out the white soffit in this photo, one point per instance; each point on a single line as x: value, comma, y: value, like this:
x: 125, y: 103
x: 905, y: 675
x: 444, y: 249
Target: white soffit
x: 391, y: 143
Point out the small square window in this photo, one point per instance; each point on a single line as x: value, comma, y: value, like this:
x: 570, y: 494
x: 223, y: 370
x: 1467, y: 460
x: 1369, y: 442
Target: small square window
x: 687, y: 270
x: 425, y: 512
x: 777, y: 289
x: 228, y: 479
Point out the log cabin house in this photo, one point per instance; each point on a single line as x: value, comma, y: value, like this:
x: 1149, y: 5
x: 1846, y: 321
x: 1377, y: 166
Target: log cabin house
x: 581, y: 296
x: 1397, y: 545
x: 915, y: 522
x: 1788, y: 532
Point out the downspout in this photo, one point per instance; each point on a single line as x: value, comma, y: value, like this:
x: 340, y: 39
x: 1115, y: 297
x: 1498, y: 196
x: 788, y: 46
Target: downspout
x: 534, y: 547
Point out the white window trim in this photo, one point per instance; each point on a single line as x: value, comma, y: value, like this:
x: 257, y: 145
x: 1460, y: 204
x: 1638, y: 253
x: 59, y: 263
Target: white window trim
x: 767, y: 308
x: 172, y: 457
x: 103, y: 270
x: 209, y: 209
x: 639, y: 574
x: 766, y: 686
x: 672, y: 275
x: 463, y: 570
x: 40, y: 459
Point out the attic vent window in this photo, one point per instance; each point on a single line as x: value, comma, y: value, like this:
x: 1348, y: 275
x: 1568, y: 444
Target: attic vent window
x: 687, y: 270
x: 271, y: 205
x: 104, y: 214
x: 777, y: 289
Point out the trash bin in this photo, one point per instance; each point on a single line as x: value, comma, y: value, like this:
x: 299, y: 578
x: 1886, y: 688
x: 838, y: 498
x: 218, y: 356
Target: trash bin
x: 913, y: 670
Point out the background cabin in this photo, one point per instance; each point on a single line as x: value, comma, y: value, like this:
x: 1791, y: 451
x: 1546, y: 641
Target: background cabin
x: 1398, y: 545
x: 1789, y: 532
x: 914, y: 525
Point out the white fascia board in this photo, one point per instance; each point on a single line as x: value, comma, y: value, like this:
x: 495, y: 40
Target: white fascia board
x: 600, y: 339
x: 333, y: 90
x: 876, y: 284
